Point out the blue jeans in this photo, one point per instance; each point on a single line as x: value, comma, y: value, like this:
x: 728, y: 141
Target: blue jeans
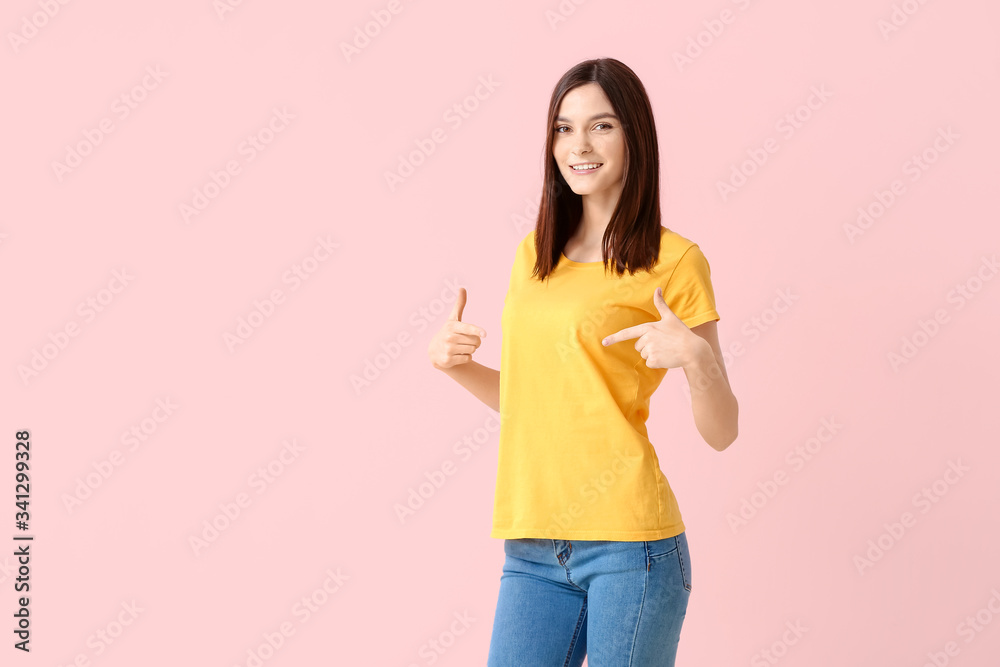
x: 619, y: 603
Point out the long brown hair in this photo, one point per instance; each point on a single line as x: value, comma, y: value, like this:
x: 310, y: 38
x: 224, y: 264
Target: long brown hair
x: 633, y: 233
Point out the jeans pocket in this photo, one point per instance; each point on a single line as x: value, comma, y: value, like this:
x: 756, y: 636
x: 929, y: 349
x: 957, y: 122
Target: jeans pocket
x: 661, y: 548
x: 684, y: 560
x: 671, y: 552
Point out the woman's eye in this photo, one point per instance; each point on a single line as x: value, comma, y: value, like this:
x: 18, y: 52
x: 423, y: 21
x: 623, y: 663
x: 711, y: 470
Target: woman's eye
x: 566, y: 127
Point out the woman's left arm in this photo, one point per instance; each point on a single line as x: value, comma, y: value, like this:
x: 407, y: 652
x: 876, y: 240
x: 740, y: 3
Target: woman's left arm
x: 716, y: 411
x: 669, y: 343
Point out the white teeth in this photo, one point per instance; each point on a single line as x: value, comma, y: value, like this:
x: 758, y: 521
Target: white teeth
x: 583, y: 167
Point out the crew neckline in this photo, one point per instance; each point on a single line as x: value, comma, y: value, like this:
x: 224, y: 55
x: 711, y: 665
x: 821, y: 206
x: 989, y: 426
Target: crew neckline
x: 600, y: 262
x: 575, y: 263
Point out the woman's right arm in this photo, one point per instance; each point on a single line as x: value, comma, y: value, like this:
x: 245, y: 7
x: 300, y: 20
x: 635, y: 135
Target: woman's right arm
x: 483, y: 382
x: 451, y: 351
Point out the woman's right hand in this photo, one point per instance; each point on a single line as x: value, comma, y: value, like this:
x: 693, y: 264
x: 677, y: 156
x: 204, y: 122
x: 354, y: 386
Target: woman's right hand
x: 455, y: 342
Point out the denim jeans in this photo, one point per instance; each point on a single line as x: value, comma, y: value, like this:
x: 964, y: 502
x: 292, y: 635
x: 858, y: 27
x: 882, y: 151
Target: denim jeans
x: 619, y: 603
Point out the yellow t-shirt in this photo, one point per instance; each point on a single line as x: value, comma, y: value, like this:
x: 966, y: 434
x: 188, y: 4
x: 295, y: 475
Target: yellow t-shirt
x: 574, y: 458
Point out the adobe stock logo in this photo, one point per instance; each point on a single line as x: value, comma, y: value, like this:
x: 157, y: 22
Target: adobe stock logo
x: 29, y: 27
x: 437, y: 646
x: 251, y: 146
x: 969, y: 629
x: 104, y: 468
x: 899, y: 17
x: 915, y: 166
x: 562, y: 12
x: 436, y: 478
x: 927, y: 329
x: 122, y: 108
x: 264, y: 308
x: 455, y: 116
x: 753, y: 328
x: 789, y: 123
x: 363, y: 35
x: 779, y: 648
x: 108, y: 633
x: 591, y: 491
x: 305, y: 608
x: 425, y: 316
x: 233, y: 508
x: 713, y: 30
x: 223, y: 7
x: 88, y: 310
x: 924, y: 500
x: 796, y: 458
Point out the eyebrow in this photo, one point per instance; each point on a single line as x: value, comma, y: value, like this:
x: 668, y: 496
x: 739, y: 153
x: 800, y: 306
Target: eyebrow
x: 564, y: 119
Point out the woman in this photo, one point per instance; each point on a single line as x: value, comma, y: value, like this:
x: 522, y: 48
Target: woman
x: 602, y: 301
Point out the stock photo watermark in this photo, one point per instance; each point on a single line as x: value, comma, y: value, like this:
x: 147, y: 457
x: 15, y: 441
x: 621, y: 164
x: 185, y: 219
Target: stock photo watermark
x: 589, y: 325
x: 59, y: 340
x: 303, y: 610
x: 224, y: 7
x: 104, y: 468
x: 220, y: 179
x: 365, y: 33
x: 927, y: 329
x: 969, y: 628
x: 263, y: 309
x: 789, y: 123
x: 923, y: 500
x: 562, y: 12
x: 32, y: 23
x: 230, y: 510
x: 779, y: 648
x: 121, y: 108
x: 435, y: 479
x: 455, y: 116
x: 432, y: 650
x: 7, y: 569
x: 105, y: 636
x: 391, y: 350
x: 884, y: 199
x: 753, y: 329
x: 590, y: 492
x: 899, y: 16
x: 525, y: 220
x: 796, y: 459
x: 712, y: 29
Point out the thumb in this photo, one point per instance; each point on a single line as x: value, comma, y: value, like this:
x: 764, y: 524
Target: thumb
x: 660, y: 303
x: 456, y: 311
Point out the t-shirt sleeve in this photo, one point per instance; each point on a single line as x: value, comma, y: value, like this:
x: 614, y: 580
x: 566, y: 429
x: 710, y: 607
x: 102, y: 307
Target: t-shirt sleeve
x: 517, y: 261
x: 689, y: 291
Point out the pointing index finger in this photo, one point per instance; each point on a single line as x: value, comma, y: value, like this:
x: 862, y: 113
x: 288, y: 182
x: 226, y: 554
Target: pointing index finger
x: 625, y: 334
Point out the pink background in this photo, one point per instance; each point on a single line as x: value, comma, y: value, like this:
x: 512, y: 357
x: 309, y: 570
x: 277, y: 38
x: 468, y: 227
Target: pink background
x: 378, y: 297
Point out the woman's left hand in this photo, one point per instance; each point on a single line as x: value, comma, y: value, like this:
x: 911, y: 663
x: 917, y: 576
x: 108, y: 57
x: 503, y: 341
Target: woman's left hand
x: 666, y: 343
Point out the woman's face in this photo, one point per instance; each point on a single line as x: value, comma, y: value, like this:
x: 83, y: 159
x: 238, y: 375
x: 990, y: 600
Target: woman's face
x: 587, y: 131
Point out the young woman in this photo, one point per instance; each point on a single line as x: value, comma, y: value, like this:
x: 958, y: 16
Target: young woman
x: 602, y: 301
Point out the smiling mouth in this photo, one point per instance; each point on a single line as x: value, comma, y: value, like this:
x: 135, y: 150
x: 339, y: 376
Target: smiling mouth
x: 587, y: 167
